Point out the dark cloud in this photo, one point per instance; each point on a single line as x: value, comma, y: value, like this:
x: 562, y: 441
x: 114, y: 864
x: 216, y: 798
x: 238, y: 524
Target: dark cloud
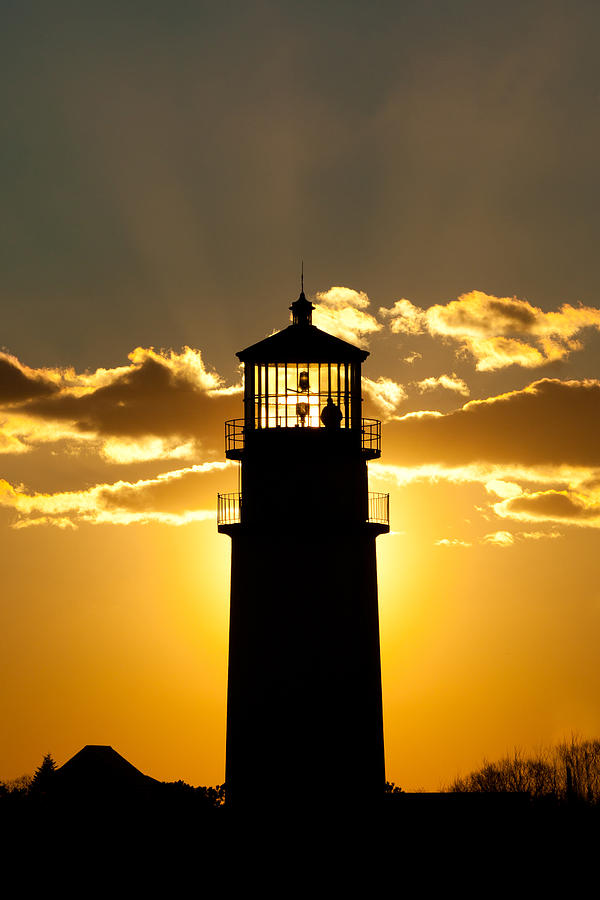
x: 517, y: 316
x: 175, y: 498
x: 565, y: 506
x: 156, y: 396
x: 550, y: 422
x: 17, y: 385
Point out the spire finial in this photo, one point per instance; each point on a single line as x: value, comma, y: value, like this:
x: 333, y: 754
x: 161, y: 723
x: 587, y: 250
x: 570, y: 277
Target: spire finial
x: 302, y: 308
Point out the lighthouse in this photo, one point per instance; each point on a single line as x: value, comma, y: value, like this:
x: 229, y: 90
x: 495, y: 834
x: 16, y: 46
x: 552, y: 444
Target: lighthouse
x: 304, y: 707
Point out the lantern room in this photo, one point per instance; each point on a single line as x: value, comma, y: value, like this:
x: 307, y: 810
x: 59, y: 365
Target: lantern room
x: 297, y: 394
x: 302, y: 443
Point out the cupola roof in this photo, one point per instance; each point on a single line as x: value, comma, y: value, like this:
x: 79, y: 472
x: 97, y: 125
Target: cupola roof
x: 302, y: 342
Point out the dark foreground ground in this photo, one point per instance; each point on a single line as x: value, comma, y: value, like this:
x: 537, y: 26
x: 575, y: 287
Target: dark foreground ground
x: 425, y: 838
x: 99, y: 826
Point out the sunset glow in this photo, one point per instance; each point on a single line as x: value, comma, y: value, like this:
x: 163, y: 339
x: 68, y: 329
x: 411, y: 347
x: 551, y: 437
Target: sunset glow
x: 165, y: 175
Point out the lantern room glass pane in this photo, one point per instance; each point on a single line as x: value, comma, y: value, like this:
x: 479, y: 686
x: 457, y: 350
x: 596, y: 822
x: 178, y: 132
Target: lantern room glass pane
x: 334, y: 379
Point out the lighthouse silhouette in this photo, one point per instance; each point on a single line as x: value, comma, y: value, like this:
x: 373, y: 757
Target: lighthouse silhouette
x: 304, y: 708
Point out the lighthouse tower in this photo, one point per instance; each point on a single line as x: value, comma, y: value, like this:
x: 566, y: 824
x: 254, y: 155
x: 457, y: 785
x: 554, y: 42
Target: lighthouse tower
x: 304, y: 710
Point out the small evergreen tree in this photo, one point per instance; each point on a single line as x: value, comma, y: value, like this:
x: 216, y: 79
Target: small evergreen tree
x: 43, y: 775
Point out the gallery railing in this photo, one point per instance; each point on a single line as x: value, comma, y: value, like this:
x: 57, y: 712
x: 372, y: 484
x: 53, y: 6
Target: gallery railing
x: 370, y: 437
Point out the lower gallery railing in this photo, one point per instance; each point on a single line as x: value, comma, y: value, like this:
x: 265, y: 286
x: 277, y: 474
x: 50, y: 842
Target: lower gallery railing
x: 229, y: 508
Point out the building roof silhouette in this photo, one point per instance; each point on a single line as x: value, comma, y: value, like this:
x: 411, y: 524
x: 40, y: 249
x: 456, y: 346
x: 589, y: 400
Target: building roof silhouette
x: 302, y: 343
x: 98, y: 766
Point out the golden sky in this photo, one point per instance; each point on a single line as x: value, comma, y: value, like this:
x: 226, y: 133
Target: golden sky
x: 163, y: 173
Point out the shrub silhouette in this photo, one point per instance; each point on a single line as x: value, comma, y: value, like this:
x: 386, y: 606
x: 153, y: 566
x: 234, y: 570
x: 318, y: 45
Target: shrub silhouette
x: 392, y: 789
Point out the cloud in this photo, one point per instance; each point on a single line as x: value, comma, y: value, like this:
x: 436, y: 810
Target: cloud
x: 385, y: 394
x: 452, y: 542
x: 126, y: 451
x: 20, y: 432
x: 412, y: 357
x: 504, y: 489
x: 548, y: 423
x: 499, y: 539
x: 449, y: 382
x: 341, y: 311
x: 507, y: 538
x: 173, y: 498
x: 500, y: 352
x: 575, y: 507
x: 163, y: 404
x: 405, y: 317
x: 10, y: 443
x: 498, y: 331
x: 570, y: 497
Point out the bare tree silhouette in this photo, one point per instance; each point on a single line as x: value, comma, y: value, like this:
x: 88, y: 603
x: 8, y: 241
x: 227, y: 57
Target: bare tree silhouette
x: 567, y: 772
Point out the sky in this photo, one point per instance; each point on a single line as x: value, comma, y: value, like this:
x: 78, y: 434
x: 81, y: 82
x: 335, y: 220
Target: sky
x: 164, y: 168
